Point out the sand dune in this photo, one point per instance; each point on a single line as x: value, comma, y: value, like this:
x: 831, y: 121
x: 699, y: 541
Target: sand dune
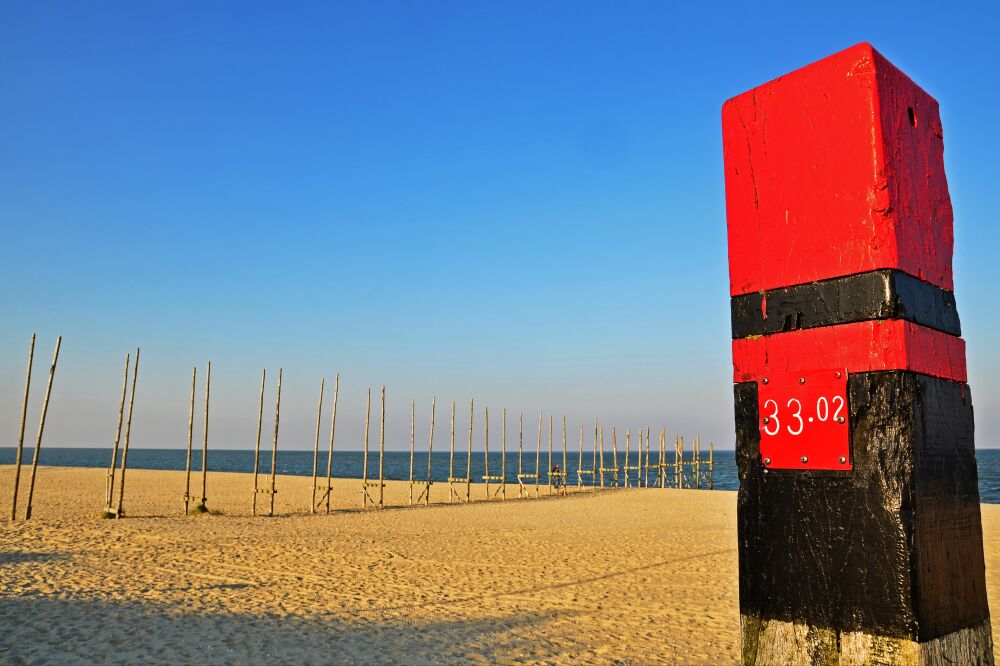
x: 635, y: 576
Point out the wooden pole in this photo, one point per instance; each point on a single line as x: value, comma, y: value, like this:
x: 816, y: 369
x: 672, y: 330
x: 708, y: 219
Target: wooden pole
x: 548, y: 475
x: 451, y: 456
x: 711, y: 466
x: 204, y: 446
x: 638, y: 474
x: 520, y: 453
x: 601, y: 456
x: 20, y: 436
x: 333, y: 431
x: 538, y: 452
x: 503, y: 455
x: 413, y: 442
x: 486, y: 449
x: 579, y: 464
x: 274, y: 447
x: 628, y: 445
x: 614, y: 454
x: 319, y: 421
x: 364, y: 464
x: 41, y: 429
x: 663, y: 458
x: 110, y: 489
x: 430, y: 451
x: 593, y: 479
x: 646, y: 472
x: 120, y: 512
x: 256, y: 450
x: 468, y: 459
x: 381, y: 455
x: 564, y: 479
x: 190, y: 446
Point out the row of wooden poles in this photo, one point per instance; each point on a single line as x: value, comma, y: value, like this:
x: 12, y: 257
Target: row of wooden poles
x: 664, y: 474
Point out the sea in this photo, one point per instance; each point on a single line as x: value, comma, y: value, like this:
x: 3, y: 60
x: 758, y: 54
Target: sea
x: 396, y: 464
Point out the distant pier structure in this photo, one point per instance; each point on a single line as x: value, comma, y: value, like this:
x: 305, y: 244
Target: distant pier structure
x: 860, y: 538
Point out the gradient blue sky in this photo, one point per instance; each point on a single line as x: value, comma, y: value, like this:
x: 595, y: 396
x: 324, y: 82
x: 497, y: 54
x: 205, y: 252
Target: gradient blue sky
x: 520, y: 202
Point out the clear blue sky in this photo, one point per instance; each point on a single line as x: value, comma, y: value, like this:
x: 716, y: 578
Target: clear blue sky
x: 520, y: 202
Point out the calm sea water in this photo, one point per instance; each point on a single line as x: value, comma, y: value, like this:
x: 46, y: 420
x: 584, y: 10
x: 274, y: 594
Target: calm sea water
x: 348, y: 464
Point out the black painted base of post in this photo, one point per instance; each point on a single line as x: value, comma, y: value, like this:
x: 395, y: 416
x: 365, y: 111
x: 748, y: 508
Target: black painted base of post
x: 882, y: 564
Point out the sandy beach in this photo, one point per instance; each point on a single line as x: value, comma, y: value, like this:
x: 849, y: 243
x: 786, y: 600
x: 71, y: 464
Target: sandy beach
x: 631, y: 576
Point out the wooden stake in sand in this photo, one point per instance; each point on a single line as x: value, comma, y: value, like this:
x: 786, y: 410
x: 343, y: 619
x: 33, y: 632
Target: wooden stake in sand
x: 503, y: 456
x: 329, y: 458
x: 381, y: 455
x: 204, y: 447
x: 593, y: 465
x: 319, y: 420
x: 638, y: 480
x: 20, y: 436
x: 120, y: 512
x: 425, y: 494
x: 486, y: 450
x: 468, y: 459
x: 601, y: 454
x: 663, y: 459
x: 646, y: 467
x: 628, y: 445
x: 256, y: 450
x: 451, y: 457
x: 274, y: 447
x: 413, y: 421
x: 538, y: 452
x: 565, y: 470
x: 41, y: 429
x: 364, y: 464
x: 549, y: 469
x: 520, y: 455
x: 110, y: 489
x: 190, y: 444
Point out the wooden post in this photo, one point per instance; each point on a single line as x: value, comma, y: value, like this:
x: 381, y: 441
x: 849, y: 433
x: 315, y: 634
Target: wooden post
x: 601, y: 455
x: 328, y: 491
x: 565, y: 470
x: 120, y: 511
x: 711, y: 466
x: 41, y: 429
x: 646, y: 468
x: 413, y: 443
x: 190, y: 445
x: 614, y: 455
x: 520, y: 453
x: 451, y: 458
x: 468, y: 459
x: 319, y: 421
x: 20, y: 435
x: 538, y: 453
x: 430, y: 451
x: 579, y: 464
x: 110, y: 489
x: 628, y: 445
x: 549, y: 473
x: 364, y: 463
x: 593, y: 478
x: 696, y: 453
x: 274, y: 448
x: 256, y: 450
x: 860, y: 535
x: 486, y: 449
x: 381, y: 456
x: 638, y: 474
x: 204, y: 447
x: 503, y: 455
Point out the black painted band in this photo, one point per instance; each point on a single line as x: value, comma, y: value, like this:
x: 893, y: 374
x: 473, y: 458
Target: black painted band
x: 895, y: 547
x: 883, y: 294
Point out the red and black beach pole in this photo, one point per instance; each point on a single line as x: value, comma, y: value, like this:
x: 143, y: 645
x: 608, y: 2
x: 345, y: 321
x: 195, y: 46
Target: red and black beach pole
x: 860, y: 538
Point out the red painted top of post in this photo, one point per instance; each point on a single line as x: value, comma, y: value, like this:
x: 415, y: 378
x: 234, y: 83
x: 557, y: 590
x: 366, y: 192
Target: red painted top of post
x: 834, y: 169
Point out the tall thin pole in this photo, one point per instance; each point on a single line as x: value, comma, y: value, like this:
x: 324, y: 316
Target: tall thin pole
x: 486, y: 449
x: 190, y: 445
x: 628, y: 445
x: 520, y: 453
x: 711, y: 466
x: 646, y: 468
x: 548, y: 476
x: 430, y: 451
x: 364, y: 464
x: 204, y: 446
x: 413, y: 422
x: 128, y: 436
x: 468, y: 460
x: 451, y: 457
x: 579, y: 464
x: 274, y: 447
x: 503, y: 456
x: 20, y: 435
x: 601, y: 456
x: 41, y: 429
x: 319, y: 420
x: 614, y: 453
x: 538, y: 452
x: 565, y: 470
x: 593, y: 479
x: 381, y: 455
x: 256, y: 450
x: 333, y: 431
x: 110, y: 490
x: 638, y: 474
